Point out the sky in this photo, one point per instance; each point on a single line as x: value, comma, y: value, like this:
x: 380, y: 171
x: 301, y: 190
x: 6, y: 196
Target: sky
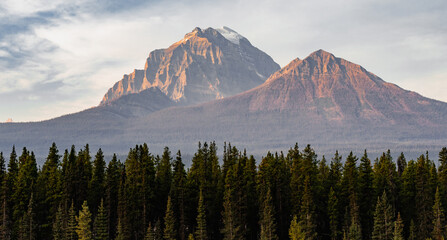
x: 59, y: 57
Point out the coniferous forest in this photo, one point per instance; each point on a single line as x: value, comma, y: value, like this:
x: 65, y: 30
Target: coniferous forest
x: 293, y: 195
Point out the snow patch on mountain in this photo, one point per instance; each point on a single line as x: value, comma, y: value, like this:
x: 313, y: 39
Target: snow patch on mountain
x: 230, y: 34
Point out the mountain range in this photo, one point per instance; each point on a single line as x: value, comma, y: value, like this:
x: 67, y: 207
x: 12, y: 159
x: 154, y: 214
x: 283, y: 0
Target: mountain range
x: 213, y: 85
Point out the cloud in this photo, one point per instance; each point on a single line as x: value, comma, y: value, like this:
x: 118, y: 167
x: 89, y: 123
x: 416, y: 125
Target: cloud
x: 68, y: 53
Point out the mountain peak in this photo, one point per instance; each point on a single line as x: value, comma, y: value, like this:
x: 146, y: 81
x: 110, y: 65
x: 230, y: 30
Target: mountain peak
x: 206, y: 64
x: 321, y: 54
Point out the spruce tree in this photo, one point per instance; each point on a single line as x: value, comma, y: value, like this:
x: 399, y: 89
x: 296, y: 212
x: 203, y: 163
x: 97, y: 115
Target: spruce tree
x: 97, y: 182
x: 355, y: 230
x: 70, y: 233
x: 366, y: 196
x: 24, y: 185
x: 163, y: 179
x: 121, y: 232
x: 170, y: 231
x: 48, y: 192
x: 333, y: 214
x: 412, y: 231
x: 100, y: 225
x: 59, y: 225
x: 201, y: 232
x: 113, y: 176
x: 383, y: 219
x: 442, y: 175
x: 401, y: 164
x: 150, y: 235
x: 295, y: 230
x: 5, y: 232
x: 424, y: 198
x: 438, y: 218
x: 398, y: 229
x: 83, y: 228
x: 82, y: 177
x: 385, y: 178
x: 228, y: 230
x: 27, y: 224
x: 307, y: 215
x: 158, y: 233
x: 407, y: 195
x: 268, y: 225
x: 179, y: 193
x: 250, y: 196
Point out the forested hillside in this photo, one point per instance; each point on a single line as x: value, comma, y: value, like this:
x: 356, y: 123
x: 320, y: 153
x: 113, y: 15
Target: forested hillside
x: 293, y: 195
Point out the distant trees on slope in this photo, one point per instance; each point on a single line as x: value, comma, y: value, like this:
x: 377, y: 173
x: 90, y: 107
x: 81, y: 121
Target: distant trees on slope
x: 287, y: 196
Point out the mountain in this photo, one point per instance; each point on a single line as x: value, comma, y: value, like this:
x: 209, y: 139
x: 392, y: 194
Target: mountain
x: 335, y: 90
x: 321, y: 100
x: 205, y: 65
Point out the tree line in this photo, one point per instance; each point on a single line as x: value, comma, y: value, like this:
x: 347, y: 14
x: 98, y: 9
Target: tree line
x: 287, y: 196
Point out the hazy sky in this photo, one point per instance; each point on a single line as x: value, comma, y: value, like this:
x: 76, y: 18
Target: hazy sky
x: 59, y: 57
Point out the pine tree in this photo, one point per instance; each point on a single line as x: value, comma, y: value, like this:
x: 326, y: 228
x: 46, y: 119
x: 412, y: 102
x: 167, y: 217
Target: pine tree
x: 385, y: 178
x: 158, y: 233
x: 274, y: 175
x: 424, y: 198
x: 170, y: 232
x: 149, y: 233
x: 113, y: 176
x: 100, y: 225
x: 121, y: 232
x: 163, y: 179
x: 366, y: 196
x: 82, y: 176
x: 295, y: 161
x: 201, y: 232
x: 295, y: 230
x: 333, y: 214
x: 59, y: 225
x: 355, y: 230
x: 412, y: 235
x: 442, y: 174
x: 398, y: 229
x: 83, y: 229
x: 4, y: 211
x: 268, y: 226
x: 69, y: 175
x: 307, y: 215
x: 383, y: 219
x: 97, y: 183
x: 190, y: 237
x: 407, y: 195
x: 178, y: 193
x: 24, y: 185
x: 228, y: 230
x: 27, y: 223
x: 250, y: 196
x: 438, y: 218
x: 71, y: 224
x: 48, y: 192
x: 401, y: 164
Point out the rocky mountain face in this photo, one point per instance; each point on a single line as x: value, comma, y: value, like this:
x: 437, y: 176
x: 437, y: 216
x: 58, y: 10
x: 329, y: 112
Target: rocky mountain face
x: 205, y: 65
x: 333, y: 89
